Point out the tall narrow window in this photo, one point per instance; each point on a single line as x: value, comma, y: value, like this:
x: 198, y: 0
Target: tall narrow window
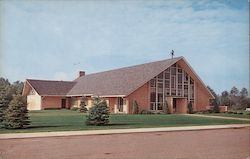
x: 120, y: 104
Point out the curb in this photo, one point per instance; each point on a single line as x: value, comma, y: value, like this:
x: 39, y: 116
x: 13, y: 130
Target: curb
x: 117, y: 131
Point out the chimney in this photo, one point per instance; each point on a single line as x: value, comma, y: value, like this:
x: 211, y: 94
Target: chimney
x: 81, y: 73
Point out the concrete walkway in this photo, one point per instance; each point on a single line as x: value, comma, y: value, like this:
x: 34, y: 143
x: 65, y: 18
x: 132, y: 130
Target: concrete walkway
x: 218, y: 117
x: 117, y: 131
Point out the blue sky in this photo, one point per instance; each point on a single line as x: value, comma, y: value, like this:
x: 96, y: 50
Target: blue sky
x: 56, y: 39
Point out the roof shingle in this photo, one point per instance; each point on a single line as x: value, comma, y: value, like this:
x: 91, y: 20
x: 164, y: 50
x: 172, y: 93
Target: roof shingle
x: 121, y: 81
x: 46, y: 87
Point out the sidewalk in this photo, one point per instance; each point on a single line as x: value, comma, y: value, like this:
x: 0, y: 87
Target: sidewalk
x: 118, y: 131
x: 218, y: 117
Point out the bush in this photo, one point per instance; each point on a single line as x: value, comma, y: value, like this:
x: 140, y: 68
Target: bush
x: 83, y: 105
x: 16, y: 115
x: 165, y: 108
x: 146, y: 112
x: 74, y: 108
x: 98, y: 113
x: 190, y: 108
x: 135, y: 107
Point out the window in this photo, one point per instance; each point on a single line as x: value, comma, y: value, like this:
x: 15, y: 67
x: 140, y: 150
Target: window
x: 167, y: 84
x: 120, y: 104
x: 173, y: 85
x: 160, y: 76
x: 152, y: 83
x: 173, y: 71
x: 152, y: 97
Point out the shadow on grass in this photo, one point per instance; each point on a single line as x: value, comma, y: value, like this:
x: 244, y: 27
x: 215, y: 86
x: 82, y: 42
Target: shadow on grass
x: 44, y: 126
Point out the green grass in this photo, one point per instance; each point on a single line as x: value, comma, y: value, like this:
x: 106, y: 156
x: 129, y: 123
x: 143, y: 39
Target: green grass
x: 67, y: 120
x: 244, y: 115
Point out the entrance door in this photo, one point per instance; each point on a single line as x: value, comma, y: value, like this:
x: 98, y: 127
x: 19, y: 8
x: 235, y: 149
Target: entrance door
x: 174, y: 105
x: 63, y: 103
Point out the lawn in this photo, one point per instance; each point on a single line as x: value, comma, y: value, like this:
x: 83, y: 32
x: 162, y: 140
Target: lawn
x: 244, y: 115
x: 66, y: 120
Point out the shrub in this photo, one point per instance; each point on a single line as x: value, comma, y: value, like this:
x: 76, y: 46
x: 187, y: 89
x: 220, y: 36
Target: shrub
x: 74, y: 108
x: 146, y: 112
x: 98, y: 113
x: 165, y: 108
x: 190, y: 108
x: 135, y: 107
x: 16, y: 115
x: 83, y: 105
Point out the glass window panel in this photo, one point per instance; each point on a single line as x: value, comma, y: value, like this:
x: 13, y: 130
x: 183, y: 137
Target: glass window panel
x: 167, y: 84
x: 159, y: 106
x: 160, y: 97
x: 160, y: 75
x: 152, y: 83
x: 173, y: 85
x: 173, y: 71
x: 152, y: 97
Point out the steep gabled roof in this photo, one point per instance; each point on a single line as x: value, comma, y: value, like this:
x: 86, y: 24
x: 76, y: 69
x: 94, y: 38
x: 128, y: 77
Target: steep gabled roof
x: 46, y: 87
x: 121, y: 81
x: 118, y: 82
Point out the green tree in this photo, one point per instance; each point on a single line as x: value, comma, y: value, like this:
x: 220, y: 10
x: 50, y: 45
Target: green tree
x: 3, y: 106
x: 215, y: 106
x: 83, y: 108
x: 98, y: 113
x: 190, y: 108
x: 16, y: 115
x: 243, y: 92
x: 224, y: 98
x: 135, y: 107
x: 165, y: 108
x: 215, y: 100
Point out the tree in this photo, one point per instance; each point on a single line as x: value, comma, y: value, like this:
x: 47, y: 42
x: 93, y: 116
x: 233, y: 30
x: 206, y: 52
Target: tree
x: 215, y: 104
x: 3, y: 106
x: 165, y: 107
x: 225, y: 99
x: 135, y: 107
x: 83, y: 108
x: 243, y: 92
x: 190, y: 108
x: 214, y: 94
x: 234, y: 91
x: 234, y: 97
x: 98, y: 113
x: 16, y: 115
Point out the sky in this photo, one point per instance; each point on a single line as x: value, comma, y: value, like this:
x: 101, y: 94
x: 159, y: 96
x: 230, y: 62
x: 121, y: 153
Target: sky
x: 56, y: 39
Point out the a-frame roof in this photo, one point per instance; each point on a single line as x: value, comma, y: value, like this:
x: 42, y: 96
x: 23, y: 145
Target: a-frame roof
x: 118, y: 82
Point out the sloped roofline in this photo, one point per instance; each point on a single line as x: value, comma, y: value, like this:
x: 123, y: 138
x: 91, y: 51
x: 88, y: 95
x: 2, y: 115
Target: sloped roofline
x: 203, y: 84
x: 27, y: 81
x: 174, y: 60
x: 178, y: 59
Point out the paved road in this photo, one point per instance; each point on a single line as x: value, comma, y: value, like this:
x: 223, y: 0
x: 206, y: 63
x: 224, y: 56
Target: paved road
x: 204, y: 144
